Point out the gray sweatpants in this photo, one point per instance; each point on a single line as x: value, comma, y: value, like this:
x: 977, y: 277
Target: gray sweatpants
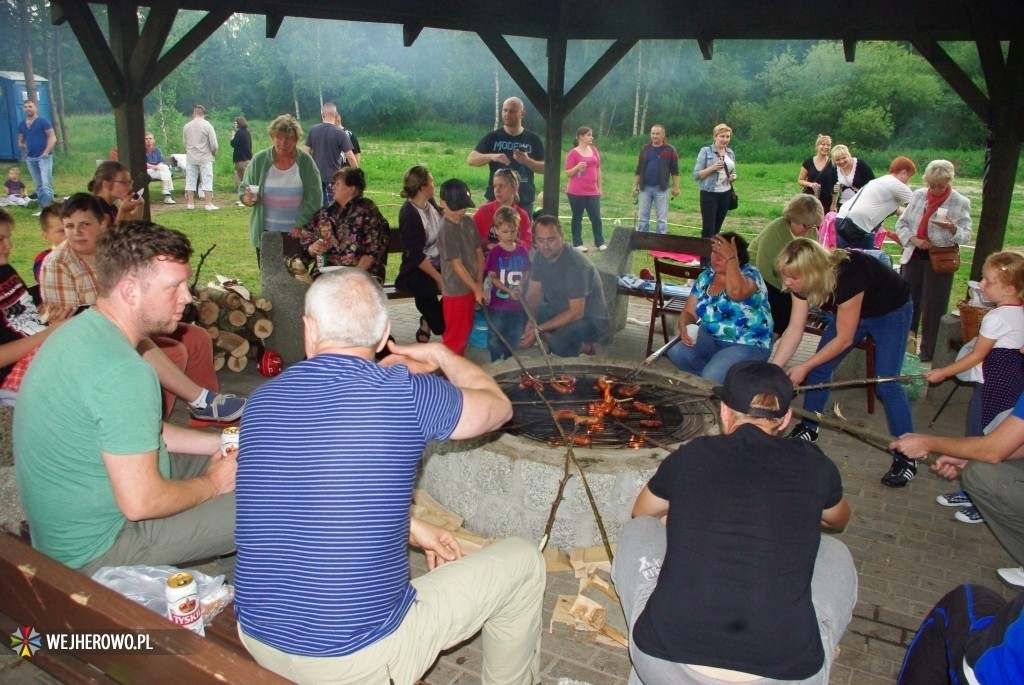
x: 998, y: 492
x: 638, y: 559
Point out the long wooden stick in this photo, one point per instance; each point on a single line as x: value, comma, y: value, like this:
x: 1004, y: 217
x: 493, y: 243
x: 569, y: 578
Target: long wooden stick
x: 859, y: 381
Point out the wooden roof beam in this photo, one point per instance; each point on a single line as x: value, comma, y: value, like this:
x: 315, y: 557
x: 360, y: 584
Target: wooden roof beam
x: 410, y: 32
x: 515, y: 67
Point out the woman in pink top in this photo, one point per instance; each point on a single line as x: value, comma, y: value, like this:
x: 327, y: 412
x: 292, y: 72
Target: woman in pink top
x: 583, y: 164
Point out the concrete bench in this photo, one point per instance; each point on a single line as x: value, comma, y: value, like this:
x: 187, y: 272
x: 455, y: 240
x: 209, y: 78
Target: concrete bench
x: 288, y: 295
x: 618, y: 260
x: 52, y: 598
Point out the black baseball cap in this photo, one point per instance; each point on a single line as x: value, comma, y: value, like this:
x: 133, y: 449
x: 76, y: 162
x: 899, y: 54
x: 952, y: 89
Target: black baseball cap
x: 746, y: 380
x: 455, y: 195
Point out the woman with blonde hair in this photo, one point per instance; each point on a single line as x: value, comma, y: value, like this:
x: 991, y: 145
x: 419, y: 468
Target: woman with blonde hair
x: 800, y: 219
x: 714, y: 172
x: 936, y: 216
x: 288, y: 187
x: 863, y: 297
x: 816, y: 169
x: 848, y: 175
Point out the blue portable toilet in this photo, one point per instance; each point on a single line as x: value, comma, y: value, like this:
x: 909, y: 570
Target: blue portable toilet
x: 12, y: 96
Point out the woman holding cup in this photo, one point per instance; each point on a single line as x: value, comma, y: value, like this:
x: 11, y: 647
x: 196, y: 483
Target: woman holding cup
x: 714, y: 172
x: 936, y: 216
x: 727, y: 318
x: 583, y: 165
x: 282, y: 183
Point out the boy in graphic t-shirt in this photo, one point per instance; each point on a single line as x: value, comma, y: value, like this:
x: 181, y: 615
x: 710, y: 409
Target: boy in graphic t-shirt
x: 508, y: 265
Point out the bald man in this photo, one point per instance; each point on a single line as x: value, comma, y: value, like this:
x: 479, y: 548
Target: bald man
x: 512, y: 147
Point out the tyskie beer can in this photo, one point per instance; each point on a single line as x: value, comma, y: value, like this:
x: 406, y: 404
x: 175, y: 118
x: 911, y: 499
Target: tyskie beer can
x: 183, y: 607
x: 229, y: 440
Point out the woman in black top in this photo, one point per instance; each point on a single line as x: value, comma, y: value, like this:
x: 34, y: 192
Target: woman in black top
x: 241, y: 142
x: 815, y: 172
x: 865, y: 297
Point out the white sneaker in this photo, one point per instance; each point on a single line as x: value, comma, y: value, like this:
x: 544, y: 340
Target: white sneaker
x: 581, y: 248
x: 190, y: 206
x: 602, y: 248
x: 168, y: 200
x: 1013, y: 575
x: 211, y: 208
x: 239, y: 204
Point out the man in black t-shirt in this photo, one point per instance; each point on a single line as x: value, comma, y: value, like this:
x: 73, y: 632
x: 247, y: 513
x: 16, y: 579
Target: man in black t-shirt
x: 512, y: 147
x: 723, y: 571
x: 329, y: 145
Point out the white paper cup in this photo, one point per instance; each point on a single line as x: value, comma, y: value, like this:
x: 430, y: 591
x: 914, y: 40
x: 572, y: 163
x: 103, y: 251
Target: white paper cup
x: 941, y: 213
x: 692, y: 330
x: 254, y: 190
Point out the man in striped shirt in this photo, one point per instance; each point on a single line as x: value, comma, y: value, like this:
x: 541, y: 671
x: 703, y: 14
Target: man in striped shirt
x: 329, y: 454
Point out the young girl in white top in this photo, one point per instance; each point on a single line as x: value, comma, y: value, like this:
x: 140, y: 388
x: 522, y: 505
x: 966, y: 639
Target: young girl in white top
x: 997, y: 350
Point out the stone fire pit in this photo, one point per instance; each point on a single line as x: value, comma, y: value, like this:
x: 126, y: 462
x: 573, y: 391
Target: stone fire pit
x: 504, y: 484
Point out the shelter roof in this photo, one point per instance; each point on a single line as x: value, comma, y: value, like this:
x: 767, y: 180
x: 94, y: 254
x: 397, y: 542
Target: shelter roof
x: 661, y: 19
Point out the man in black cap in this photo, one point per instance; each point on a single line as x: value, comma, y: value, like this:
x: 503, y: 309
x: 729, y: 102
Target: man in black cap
x: 462, y: 265
x: 734, y: 581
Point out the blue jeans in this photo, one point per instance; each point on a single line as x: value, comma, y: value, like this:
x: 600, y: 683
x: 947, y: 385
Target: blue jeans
x: 510, y: 323
x: 328, y: 192
x: 711, y: 358
x: 865, y: 243
x: 889, y: 332
x: 567, y: 340
x: 713, y: 208
x: 659, y: 197
x: 41, y: 170
x: 592, y: 205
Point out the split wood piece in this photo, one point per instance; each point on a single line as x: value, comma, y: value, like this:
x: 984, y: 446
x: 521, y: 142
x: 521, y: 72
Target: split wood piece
x: 213, y: 331
x: 218, y: 360
x: 556, y: 560
x: 223, y: 298
x: 563, y: 623
x: 237, y: 364
x: 237, y: 318
x: 425, y: 499
x: 208, y: 312
x: 588, y: 611
x: 597, y: 589
x: 263, y: 304
x: 586, y: 560
x: 232, y: 343
x: 260, y: 325
x: 471, y: 542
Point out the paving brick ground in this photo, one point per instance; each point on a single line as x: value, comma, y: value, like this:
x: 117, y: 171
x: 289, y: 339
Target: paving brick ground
x: 909, y: 550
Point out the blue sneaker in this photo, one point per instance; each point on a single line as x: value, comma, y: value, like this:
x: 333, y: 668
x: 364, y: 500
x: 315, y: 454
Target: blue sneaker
x: 955, y: 499
x: 223, y: 409
x: 970, y: 515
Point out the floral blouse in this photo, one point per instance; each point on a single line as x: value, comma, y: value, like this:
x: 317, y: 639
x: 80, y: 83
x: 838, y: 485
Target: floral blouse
x: 352, y: 232
x: 748, y: 322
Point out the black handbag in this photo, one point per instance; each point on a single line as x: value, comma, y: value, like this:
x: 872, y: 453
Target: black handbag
x: 734, y: 200
x: 849, y: 231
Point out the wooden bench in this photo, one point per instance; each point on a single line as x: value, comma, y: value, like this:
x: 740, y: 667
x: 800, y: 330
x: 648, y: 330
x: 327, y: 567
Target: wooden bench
x: 52, y: 598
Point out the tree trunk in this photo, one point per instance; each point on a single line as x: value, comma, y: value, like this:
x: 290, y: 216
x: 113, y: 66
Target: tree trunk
x: 295, y: 99
x: 44, y: 35
x: 643, y: 111
x: 497, y: 101
x: 57, y: 90
x: 26, y: 50
x: 639, y: 80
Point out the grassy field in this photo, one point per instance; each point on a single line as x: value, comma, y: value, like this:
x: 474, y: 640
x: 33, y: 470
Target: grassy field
x: 763, y: 187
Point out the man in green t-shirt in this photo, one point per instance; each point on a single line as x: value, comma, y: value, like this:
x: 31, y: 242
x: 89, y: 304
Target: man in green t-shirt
x: 92, y: 465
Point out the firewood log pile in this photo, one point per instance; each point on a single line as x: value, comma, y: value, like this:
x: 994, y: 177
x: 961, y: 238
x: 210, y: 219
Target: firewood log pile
x: 238, y: 323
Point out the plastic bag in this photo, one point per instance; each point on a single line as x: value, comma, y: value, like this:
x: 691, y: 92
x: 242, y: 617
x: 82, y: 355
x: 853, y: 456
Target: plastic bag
x: 973, y: 374
x: 146, y: 585
x: 912, y: 366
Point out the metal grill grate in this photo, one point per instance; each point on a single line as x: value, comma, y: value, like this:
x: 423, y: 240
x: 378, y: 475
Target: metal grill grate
x: 682, y: 416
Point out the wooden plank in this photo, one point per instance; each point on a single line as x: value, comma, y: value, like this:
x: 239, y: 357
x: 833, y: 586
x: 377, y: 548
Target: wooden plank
x: 53, y: 598
x: 670, y: 243
x: 556, y: 560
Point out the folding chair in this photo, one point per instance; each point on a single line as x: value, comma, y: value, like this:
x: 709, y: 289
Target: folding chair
x: 662, y: 306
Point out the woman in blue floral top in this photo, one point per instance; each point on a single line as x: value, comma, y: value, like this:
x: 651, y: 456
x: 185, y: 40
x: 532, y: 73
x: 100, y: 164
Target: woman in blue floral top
x: 350, y: 231
x: 729, y: 302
